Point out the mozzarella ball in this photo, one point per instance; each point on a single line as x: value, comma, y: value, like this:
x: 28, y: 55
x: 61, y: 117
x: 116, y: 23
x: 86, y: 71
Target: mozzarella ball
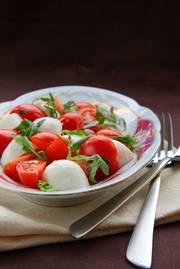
x: 12, y: 151
x: 65, y: 175
x: 125, y: 155
x: 10, y: 121
x: 50, y: 125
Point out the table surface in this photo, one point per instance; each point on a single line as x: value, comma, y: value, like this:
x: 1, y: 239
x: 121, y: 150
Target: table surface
x: 130, y: 49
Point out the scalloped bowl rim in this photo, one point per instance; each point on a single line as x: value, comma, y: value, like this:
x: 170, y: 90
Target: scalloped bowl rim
x: 145, y: 159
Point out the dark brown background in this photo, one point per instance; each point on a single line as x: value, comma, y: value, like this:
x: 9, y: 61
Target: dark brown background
x: 131, y: 48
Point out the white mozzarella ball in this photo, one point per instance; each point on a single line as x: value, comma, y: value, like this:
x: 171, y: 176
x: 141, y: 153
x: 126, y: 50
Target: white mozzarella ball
x: 50, y: 125
x: 125, y: 155
x: 65, y: 175
x: 11, y: 152
x: 10, y: 121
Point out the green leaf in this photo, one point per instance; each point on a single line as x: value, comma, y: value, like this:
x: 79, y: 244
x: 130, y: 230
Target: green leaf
x: 76, y: 145
x: 50, y: 105
x: 128, y: 140
x: 95, y: 162
x: 107, y: 117
x: 44, y: 186
x: 29, y: 128
x: 70, y: 106
x: 75, y: 132
x: 27, y: 146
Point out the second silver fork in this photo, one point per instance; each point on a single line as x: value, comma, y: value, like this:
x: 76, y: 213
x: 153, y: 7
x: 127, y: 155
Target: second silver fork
x: 139, y: 251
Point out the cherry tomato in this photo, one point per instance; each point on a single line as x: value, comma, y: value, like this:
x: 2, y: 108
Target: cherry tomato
x: 72, y: 121
x: 6, y: 136
x: 30, y: 172
x: 108, y: 132
x: 42, y: 140
x: 81, y: 105
x: 105, y: 148
x: 10, y: 168
x: 58, y: 104
x: 55, y: 148
x: 88, y: 111
x: 28, y: 111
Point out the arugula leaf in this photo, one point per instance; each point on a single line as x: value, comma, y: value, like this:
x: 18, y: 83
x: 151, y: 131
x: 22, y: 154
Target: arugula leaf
x: 128, y: 140
x: 44, y: 186
x: 96, y: 162
x: 50, y: 105
x: 107, y: 117
x: 75, y: 132
x: 76, y: 145
x: 70, y: 106
x: 27, y: 146
x: 29, y: 128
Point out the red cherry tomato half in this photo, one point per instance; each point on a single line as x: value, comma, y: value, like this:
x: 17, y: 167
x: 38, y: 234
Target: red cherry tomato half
x: 30, y: 172
x: 42, y: 140
x: 10, y: 168
x: 57, y: 150
x: 28, y: 111
x: 108, y: 132
x: 55, y: 147
x: 72, y: 121
x: 81, y: 105
x: 105, y: 148
x: 6, y: 136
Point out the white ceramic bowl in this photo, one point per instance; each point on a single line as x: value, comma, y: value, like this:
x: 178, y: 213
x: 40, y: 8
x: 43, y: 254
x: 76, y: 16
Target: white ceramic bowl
x: 89, y: 94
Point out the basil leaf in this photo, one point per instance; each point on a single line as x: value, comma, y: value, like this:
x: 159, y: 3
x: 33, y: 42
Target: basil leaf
x: 75, y: 132
x: 70, y: 106
x: 44, y: 186
x: 95, y: 162
x: 27, y: 146
x: 76, y: 145
x: 128, y: 140
x: 29, y: 128
x: 49, y: 105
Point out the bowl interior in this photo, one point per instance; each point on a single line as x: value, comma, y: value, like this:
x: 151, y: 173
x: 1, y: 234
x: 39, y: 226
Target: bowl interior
x: 90, y: 94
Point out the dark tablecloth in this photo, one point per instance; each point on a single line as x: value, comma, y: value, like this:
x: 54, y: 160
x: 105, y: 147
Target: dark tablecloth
x: 129, y: 48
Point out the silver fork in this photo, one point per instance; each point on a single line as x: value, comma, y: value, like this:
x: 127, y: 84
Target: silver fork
x: 139, y: 251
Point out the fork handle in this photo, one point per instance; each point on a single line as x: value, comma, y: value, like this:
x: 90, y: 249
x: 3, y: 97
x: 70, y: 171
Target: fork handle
x: 139, y: 251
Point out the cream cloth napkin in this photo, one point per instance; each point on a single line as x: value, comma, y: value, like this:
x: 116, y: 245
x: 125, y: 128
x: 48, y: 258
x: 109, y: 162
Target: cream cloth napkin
x: 23, y: 224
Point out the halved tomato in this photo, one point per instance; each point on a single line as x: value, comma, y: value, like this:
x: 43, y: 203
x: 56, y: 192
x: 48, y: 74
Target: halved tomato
x: 28, y: 111
x: 72, y: 121
x: 10, y: 168
x: 57, y: 150
x: 30, y: 172
x: 55, y: 147
x: 108, y: 132
x: 42, y: 140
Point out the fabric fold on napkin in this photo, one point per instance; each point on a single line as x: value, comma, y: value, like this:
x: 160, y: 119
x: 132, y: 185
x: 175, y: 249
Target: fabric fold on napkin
x: 24, y: 224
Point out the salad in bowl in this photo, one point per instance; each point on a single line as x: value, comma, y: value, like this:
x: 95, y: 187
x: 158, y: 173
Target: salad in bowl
x: 52, y: 146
